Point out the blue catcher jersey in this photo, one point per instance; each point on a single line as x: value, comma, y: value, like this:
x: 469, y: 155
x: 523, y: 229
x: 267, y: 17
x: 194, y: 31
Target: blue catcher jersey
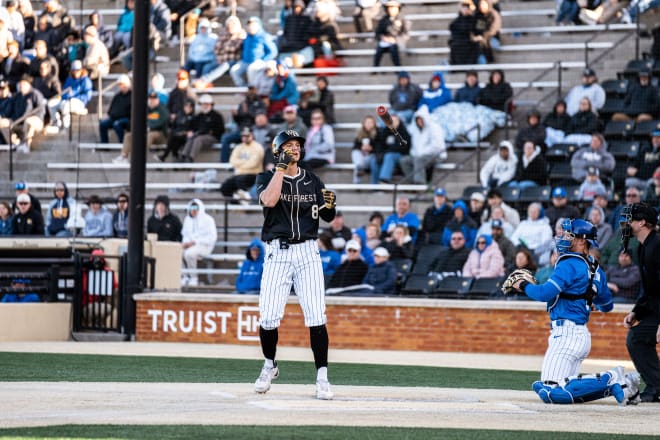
x: 571, y: 276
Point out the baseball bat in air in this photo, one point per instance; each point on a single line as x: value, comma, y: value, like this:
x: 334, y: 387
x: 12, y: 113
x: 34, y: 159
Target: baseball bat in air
x: 384, y: 116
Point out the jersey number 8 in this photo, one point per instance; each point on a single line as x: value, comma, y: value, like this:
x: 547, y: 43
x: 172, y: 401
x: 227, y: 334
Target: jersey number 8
x: 315, y: 212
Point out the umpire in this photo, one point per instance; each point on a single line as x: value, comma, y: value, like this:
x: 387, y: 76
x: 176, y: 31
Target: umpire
x: 293, y: 199
x: 643, y: 322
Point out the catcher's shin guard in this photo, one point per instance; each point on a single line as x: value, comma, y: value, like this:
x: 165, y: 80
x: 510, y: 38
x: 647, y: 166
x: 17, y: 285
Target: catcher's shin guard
x: 579, y: 389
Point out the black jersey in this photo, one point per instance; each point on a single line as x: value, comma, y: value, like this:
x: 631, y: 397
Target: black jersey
x: 648, y: 254
x: 296, y: 216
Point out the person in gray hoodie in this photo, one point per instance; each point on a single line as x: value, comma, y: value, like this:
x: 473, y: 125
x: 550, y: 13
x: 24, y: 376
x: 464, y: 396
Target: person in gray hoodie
x: 98, y: 220
x: 593, y: 155
x: 427, y: 139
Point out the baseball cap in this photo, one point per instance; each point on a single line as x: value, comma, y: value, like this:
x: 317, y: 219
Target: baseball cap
x: 182, y: 74
x: 600, y: 192
x: 655, y: 133
x: 204, y: 22
x: 644, y: 72
x: 478, y: 196
x: 642, y: 211
x: 352, y: 244
x: 253, y: 19
x: 23, y: 198
x: 588, y: 72
x: 290, y: 109
x: 559, y: 192
x: 153, y: 95
x: 381, y: 252
x: 404, y: 74
x: 245, y: 131
x: 124, y: 79
x: 496, y: 223
x: 76, y: 65
x: 20, y: 186
x: 440, y: 192
x: 593, y: 171
x: 656, y: 175
x: 205, y: 99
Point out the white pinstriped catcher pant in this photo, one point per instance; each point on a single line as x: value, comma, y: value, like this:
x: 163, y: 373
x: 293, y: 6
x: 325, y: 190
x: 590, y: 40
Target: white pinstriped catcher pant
x: 298, y: 266
x: 568, y: 346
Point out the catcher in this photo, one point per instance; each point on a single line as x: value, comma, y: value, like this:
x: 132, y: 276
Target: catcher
x: 576, y: 284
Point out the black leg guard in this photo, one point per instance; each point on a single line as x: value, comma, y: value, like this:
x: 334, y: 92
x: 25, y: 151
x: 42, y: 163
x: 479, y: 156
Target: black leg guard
x: 318, y: 337
x: 268, y: 340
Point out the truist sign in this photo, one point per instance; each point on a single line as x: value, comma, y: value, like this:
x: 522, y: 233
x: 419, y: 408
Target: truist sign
x: 244, y: 323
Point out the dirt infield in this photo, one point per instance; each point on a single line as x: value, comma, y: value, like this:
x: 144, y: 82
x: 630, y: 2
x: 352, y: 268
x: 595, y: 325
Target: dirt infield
x: 52, y: 403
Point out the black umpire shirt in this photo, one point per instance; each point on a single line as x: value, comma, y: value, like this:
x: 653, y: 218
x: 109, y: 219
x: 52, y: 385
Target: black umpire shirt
x: 648, y: 254
x: 296, y: 216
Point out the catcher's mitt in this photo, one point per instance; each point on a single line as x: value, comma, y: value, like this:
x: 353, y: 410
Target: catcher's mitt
x: 524, y: 275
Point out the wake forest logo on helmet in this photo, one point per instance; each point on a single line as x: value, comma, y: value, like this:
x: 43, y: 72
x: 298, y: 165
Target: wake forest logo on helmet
x: 292, y: 133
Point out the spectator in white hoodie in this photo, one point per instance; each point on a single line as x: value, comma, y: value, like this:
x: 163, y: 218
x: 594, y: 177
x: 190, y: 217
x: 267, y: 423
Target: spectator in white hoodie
x: 535, y: 234
x: 427, y: 146
x: 500, y: 168
x: 199, y: 236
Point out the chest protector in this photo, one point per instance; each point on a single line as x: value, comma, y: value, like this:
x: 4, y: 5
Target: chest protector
x: 590, y: 291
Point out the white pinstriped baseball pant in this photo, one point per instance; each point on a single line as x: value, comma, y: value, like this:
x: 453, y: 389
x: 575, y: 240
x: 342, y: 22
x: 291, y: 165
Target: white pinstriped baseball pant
x: 568, y: 346
x: 298, y: 266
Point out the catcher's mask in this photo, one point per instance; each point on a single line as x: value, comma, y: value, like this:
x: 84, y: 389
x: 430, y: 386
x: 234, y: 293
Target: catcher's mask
x: 575, y: 228
x: 285, y: 136
x: 632, y: 212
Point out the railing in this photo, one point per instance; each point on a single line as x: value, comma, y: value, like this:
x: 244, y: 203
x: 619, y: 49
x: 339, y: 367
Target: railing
x: 471, y: 157
x: 11, y: 127
x: 182, y: 32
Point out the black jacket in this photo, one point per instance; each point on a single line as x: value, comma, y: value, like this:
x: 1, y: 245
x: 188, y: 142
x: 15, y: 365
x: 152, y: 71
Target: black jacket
x: 536, y: 170
x: 556, y: 121
x: 433, y: 224
x: 349, y: 273
x: 534, y: 133
x: 209, y: 123
x: 648, y: 253
x: 495, y: 96
x: 26, y: 103
x: 642, y: 99
x: 386, y: 142
x: 462, y: 49
x: 30, y: 223
x: 584, y: 123
x: 450, y: 260
x: 120, y: 106
x: 169, y: 227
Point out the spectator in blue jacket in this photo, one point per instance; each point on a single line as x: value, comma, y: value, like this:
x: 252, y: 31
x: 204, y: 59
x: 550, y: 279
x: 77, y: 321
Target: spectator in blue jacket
x: 122, y: 37
x: 437, y: 94
x: 258, y: 47
x: 470, y: 90
x: 284, y: 91
x: 382, y: 275
x: 6, y: 219
x: 20, y: 283
x: 77, y: 94
x: 330, y: 258
x: 249, y: 279
x: 201, y: 57
x: 402, y: 216
x: 461, y: 221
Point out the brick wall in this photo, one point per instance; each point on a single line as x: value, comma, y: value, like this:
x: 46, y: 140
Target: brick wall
x: 385, y: 323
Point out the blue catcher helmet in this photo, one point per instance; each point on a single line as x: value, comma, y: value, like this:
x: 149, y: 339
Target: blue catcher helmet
x: 576, y: 228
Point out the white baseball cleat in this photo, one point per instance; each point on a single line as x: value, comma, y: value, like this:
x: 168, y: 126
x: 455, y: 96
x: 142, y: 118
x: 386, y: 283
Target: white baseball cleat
x: 267, y: 375
x: 631, y: 390
x: 323, y: 391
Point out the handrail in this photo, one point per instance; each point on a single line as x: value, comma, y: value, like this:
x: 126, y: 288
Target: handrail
x: 11, y: 126
x: 99, y: 110
x: 470, y: 157
x: 182, y: 32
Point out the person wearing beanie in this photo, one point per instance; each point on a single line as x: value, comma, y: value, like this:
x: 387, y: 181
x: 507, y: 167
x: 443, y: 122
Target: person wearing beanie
x: 162, y: 222
x: 404, y: 97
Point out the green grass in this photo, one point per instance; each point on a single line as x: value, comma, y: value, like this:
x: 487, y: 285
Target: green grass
x: 28, y: 367
x: 287, y: 432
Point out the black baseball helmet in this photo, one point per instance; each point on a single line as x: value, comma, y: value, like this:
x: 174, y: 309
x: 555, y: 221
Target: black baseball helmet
x: 283, y: 137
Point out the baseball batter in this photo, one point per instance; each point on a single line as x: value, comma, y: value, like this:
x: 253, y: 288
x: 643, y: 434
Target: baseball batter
x: 293, y: 199
x: 576, y: 284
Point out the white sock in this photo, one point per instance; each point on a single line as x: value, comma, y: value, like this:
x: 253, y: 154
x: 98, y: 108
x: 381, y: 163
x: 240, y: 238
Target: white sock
x: 269, y: 363
x: 322, y: 374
